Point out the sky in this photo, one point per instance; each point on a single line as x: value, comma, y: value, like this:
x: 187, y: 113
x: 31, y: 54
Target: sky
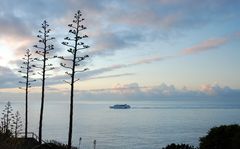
x: 139, y: 49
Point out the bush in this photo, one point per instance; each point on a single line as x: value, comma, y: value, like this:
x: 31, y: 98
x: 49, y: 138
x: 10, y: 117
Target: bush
x: 178, y: 146
x: 5, y: 135
x: 53, y: 145
x: 223, y: 137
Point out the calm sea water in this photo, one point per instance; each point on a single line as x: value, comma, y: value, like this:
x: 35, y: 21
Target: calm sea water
x: 151, y: 125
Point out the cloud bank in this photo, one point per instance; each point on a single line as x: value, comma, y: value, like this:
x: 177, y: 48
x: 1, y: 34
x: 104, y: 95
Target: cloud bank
x: 134, y: 91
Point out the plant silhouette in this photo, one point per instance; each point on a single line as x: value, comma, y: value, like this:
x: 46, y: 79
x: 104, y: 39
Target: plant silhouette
x: 43, y: 50
x: 26, y: 73
x: 10, y: 123
x: 74, y: 45
x: 17, y: 124
x: 222, y: 137
x: 179, y: 146
x: 7, y: 116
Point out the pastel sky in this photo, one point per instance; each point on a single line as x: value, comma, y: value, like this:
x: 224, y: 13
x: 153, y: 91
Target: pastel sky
x: 143, y: 49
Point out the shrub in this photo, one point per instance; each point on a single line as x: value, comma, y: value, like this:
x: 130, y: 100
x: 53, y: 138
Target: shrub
x: 179, y: 146
x: 53, y: 145
x: 223, y: 137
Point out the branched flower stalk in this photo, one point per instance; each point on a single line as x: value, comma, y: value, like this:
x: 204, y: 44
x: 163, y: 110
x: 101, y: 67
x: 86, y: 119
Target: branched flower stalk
x: 26, y: 73
x: 17, y: 124
x: 43, y: 50
x: 74, y: 47
x: 6, y: 119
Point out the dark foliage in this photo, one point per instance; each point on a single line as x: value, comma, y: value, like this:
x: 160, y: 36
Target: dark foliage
x: 5, y: 136
x: 179, y: 146
x: 9, y: 142
x: 223, y: 137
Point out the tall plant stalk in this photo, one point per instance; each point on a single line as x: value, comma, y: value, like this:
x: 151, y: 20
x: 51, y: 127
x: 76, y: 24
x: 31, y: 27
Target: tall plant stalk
x: 74, y: 46
x: 27, y: 72
x: 43, y: 51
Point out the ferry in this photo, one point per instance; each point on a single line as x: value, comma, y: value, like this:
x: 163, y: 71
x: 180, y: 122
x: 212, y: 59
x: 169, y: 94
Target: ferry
x: 120, y: 106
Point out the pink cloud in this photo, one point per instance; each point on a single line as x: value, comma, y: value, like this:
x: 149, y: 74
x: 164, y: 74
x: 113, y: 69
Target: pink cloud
x: 148, y: 60
x: 205, y: 45
x: 126, y: 88
x: 17, y: 45
x: 207, y: 88
x: 237, y: 34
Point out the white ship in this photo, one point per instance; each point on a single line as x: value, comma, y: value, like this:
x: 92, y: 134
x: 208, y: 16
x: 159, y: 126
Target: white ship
x: 120, y: 106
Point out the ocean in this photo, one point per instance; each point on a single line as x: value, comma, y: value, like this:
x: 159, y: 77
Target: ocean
x: 148, y: 124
